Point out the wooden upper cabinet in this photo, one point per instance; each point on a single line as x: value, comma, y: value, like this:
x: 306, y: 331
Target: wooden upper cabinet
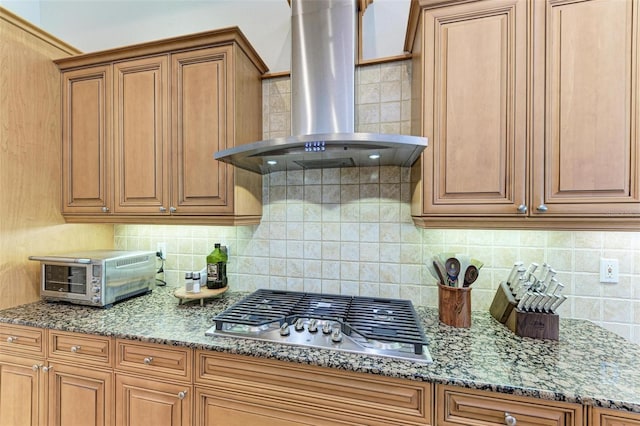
x: 473, y: 89
x: 142, y: 123
x: 200, y: 89
x: 86, y: 112
x: 586, y: 159
x: 141, y: 136
x: 531, y: 109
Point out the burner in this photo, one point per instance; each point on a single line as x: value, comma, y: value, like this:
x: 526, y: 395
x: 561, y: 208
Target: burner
x: 385, y: 327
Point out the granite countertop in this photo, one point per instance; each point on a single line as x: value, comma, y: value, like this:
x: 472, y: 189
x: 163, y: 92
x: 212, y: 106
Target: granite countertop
x: 587, y: 365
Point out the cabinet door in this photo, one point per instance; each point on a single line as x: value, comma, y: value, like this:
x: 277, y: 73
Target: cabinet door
x: 80, y: 396
x: 463, y: 407
x: 21, y: 393
x: 247, y: 388
x: 151, y: 402
x: 200, y: 123
x: 586, y: 157
x: 474, y: 112
x: 86, y: 115
x: 606, y: 417
x: 141, y: 99
x: 215, y: 408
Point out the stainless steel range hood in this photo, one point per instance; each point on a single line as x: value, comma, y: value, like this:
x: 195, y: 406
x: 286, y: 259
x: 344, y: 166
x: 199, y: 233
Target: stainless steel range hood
x: 323, y: 102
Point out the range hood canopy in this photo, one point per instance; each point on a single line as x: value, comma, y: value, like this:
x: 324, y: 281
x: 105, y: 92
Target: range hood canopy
x: 323, y: 49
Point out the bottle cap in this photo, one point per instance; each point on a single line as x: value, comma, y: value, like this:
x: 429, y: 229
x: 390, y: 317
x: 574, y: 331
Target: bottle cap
x: 217, y: 245
x: 188, y: 275
x: 196, y: 275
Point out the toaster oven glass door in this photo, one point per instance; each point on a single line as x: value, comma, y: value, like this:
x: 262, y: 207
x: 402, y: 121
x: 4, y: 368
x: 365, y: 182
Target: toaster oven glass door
x: 66, y: 278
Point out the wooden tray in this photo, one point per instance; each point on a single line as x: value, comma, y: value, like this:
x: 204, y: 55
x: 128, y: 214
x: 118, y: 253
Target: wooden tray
x: 205, y: 293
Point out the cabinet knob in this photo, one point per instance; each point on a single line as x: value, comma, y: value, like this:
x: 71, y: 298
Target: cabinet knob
x: 11, y: 339
x: 148, y: 360
x: 36, y: 367
x: 47, y: 369
x: 172, y: 209
x: 522, y: 208
x: 105, y: 209
x: 509, y: 420
x: 542, y: 208
x: 75, y: 349
x: 182, y: 394
x: 163, y: 209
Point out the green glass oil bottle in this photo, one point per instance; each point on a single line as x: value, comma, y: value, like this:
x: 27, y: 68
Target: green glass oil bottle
x: 217, y: 268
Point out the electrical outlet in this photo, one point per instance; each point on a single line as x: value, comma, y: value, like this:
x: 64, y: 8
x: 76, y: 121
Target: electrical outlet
x: 162, y: 249
x: 609, y: 270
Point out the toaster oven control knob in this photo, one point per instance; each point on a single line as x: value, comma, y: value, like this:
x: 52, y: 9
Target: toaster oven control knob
x: 95, y: 289
x: 284, y: 329
x: 336, y: 336
x: 326, y: 328
x: 299, y: 324
x: 313, y: 326
x: 95, y: 299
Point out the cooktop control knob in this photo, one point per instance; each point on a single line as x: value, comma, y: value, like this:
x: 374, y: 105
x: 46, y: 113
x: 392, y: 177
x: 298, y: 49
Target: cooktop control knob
x: 313, y: 326
x: 326, y: 328
x: 299, y: 326
x: 284, y: 329
x: 336, y: 336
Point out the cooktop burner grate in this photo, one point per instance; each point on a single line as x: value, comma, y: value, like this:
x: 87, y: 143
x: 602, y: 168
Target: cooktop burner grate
x: 375, y: 319
x: 387, y: 320
x: 259, y: 308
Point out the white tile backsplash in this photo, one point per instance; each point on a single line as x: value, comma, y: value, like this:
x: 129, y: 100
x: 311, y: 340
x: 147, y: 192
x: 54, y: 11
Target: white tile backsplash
x: 349, y: 231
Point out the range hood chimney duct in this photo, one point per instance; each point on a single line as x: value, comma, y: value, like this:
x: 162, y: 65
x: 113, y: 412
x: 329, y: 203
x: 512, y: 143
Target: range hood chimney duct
x: 323, y: 59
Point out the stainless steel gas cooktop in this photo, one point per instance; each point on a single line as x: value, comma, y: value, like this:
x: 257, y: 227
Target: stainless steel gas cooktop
x: 365, y: 325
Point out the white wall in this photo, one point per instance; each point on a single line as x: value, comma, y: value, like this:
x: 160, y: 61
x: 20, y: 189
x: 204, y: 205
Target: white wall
x: 384, y: 25
x: 104, y: 24
x: 26, y: 9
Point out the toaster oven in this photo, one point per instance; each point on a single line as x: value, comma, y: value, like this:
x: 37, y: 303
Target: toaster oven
x: 97, y: 277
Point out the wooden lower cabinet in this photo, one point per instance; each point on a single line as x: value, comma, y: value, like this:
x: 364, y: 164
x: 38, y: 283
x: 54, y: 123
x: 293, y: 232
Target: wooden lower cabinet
x: 143, y: 401
x: 153, y: 384
x: 605, y: 417
x: 80, y: 396
x: 22, y: 380
x: 21, y: 392
x: 49, y: 377
x: 469, y: 407
x: 234, y: 389
x: 215, y: 407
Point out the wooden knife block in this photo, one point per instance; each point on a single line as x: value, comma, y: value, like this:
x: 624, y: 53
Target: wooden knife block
x: 503, y: 303
x: 537, y: 325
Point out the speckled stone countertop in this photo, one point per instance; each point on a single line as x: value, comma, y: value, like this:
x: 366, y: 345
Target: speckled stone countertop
x: 588, y: 365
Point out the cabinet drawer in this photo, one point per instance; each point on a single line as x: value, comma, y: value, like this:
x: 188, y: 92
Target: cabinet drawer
x: 456, y: 406
x: 81, y: 348
x: 313, y: 392
x: 22, y: 340
x: 603, y: 417
x: 155, y: 360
